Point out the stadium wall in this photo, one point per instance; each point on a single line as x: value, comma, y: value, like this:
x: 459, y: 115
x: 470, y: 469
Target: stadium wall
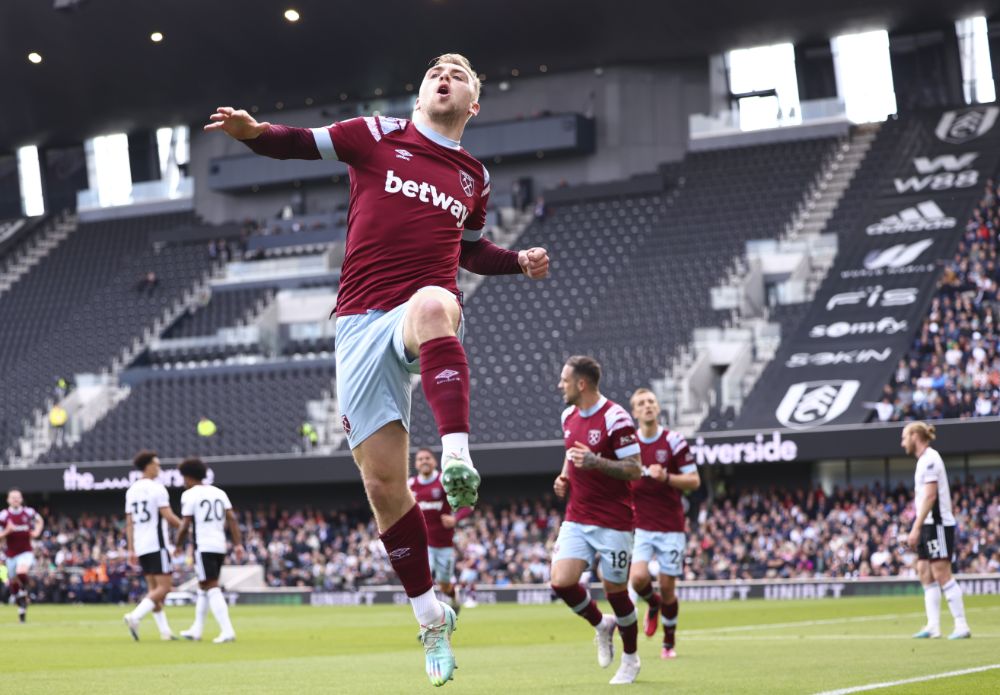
x: 832, y: 455
x: 641, y: 114
x: 697, y: 591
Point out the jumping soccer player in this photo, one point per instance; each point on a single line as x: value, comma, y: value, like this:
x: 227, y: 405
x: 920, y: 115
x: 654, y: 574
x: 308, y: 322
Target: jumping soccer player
x: 208, y: 511
x: 147, y: 513
x: 440, y: 520
x: 668, y: 469
x: 417, y: 208
x: 933, y: 533
x: 602, y: 456
x: 19, y: 525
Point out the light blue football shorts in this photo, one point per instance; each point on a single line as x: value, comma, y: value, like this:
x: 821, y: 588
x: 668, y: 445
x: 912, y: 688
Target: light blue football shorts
x: 25, y: 559
x: 666, y: 546
x: 583, y: 541
x: 373, y: 372
x: 442, y: 563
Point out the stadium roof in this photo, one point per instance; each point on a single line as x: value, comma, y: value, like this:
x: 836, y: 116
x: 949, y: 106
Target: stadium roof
x: 100, y: 71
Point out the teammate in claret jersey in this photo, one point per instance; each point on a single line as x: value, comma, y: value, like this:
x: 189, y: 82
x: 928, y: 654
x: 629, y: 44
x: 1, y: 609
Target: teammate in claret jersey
x: 668, y: 469
x: 602, y: 456
x: 441, y: 521
x: 147, y: 514
x: 18, y: 526
x: 417, y: 210
x: 207, y: 513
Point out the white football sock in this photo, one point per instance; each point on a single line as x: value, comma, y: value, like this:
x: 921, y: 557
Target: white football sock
x: 200, y: 611
x: 427, y: 608
x: 953, y: 593
x: 144, y: 608
x: 455, y: 441
x: 161, y: 622
x: 932, y: 604
x: 220, y: 609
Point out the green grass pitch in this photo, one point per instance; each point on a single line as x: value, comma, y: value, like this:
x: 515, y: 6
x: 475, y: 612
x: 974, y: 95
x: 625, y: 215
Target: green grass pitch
x: 749, y: 647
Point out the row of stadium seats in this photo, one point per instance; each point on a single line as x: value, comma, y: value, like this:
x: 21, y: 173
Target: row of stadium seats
x: 16, y: 235
x: 631, y: 279
x: 83, y: 304
x: 257, y: 411
x: 223, y: 309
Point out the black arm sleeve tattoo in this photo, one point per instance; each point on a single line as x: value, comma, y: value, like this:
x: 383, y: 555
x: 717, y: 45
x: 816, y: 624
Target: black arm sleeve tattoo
x: 624, y: 469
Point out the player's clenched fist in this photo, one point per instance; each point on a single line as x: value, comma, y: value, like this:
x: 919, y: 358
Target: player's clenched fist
x: 236, y: 123
x: 658, y: 472
x: 534, y: 262
x: 561, y: 486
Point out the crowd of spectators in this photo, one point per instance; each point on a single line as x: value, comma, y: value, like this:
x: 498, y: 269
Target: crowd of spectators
x: 755, y: 533
x: 953, y: 367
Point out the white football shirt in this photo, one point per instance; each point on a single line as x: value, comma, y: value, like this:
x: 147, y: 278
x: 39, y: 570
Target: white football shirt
x: 207, y: 505
x: 930, y: 469
x: 143, y: 500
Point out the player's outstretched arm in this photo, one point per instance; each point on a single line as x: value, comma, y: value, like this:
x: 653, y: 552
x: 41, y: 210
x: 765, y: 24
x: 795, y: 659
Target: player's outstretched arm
x: 39, y: 526
x: 930, y: 497
x: 483, y: 257
x: 234, y: 531
x: 172, y: 519
x: 681, y: 481
x: 629, y: 468
x: 275, y: 141
x: 182, y: 532
x: 130, y: 546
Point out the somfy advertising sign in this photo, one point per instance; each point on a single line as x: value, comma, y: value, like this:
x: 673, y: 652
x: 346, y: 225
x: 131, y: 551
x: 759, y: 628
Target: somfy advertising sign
x: 862, y: 319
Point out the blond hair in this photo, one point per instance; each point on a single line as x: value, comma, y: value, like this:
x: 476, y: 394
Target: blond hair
x: 642, y: 390
x: 924, y: 431
x: 461, y: 61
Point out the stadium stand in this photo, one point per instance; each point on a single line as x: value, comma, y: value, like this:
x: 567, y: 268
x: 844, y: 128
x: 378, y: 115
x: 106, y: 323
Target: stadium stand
x: 912, y: 187
x: 651, y: 260
x: 953, y: 367
x: 99, y: 277
x: 258, y: 410
x: 744, y: 534
x: 224, y: 308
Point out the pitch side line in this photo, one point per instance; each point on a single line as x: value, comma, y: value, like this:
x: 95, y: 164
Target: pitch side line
x: 907, y: 681
x: 827, y: 621
x: 820, y: 638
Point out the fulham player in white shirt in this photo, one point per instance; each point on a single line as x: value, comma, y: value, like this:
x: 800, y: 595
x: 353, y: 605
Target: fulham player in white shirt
x: 147, y: 513
x: 207, y: 513
x: 933, y: 533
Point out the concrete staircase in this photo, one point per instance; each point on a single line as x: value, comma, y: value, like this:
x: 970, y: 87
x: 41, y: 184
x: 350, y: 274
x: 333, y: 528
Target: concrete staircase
x: 50, y: 236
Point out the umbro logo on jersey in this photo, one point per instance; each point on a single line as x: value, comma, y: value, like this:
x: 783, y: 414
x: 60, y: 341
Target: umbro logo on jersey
x: 404, y: 155
x: 923, y: 217
x: 426, y: 193
x: 446, y: 375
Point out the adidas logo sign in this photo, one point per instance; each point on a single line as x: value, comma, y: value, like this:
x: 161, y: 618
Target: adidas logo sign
x: 923, y: 217
x: 445, y: 376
